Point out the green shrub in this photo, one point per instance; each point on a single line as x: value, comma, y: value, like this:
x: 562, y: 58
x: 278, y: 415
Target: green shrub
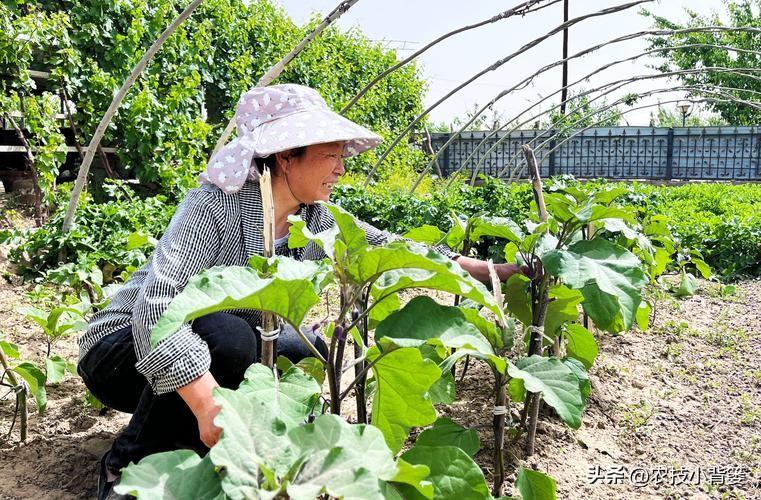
x: 102, y: 237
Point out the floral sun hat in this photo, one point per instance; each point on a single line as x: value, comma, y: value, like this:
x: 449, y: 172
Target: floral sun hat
x: 278, y: 118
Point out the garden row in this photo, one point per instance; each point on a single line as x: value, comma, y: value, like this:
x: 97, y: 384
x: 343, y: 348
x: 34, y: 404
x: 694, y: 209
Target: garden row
x: 585, y: 250
x: 721, y: 221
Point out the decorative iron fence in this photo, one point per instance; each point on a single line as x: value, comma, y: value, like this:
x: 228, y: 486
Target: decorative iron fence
x: 621, y: 153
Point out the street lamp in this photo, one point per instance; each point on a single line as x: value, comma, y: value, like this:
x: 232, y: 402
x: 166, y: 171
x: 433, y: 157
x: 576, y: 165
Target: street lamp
x: 685, y: 108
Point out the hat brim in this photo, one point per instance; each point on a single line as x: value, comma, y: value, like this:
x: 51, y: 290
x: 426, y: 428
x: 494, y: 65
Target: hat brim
x: 304, y: 128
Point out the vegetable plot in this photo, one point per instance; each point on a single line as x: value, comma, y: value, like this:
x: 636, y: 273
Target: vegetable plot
x: 282, y: 437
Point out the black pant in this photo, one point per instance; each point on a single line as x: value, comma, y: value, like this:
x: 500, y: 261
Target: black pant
x: 163, y: 423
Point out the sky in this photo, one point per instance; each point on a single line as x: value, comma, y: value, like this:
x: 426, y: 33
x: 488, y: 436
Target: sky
x: 408, y: 25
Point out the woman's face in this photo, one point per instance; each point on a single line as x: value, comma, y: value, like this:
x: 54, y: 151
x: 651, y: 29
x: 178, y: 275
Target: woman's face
x: 311, y: 176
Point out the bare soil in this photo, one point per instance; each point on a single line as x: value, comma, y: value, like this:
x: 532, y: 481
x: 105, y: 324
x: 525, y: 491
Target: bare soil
x: 686, y: 394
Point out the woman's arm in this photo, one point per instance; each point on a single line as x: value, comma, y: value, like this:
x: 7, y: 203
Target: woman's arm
x: 198, y: 396
x: 477, y: 268
x: 480, y: 271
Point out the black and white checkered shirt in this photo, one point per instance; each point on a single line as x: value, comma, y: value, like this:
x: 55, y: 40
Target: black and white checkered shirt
x: 210, y: 228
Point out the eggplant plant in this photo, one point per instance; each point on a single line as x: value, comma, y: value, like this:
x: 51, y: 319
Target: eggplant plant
x: 278, y: 441
x: 582, y: 252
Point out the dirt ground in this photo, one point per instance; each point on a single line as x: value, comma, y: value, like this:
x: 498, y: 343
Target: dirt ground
x: 679, y: 401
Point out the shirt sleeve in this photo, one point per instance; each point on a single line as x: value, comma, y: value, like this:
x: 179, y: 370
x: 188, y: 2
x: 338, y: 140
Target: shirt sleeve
x: 191, y: 243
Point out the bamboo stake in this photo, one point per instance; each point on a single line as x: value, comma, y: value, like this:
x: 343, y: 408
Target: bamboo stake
x: 494, y: 67
x: 501, y: 405
x: 278, y: 67
x: 79, y: 184
x: 21, y: 392
x: 540, y: 301
x: 268, y: 213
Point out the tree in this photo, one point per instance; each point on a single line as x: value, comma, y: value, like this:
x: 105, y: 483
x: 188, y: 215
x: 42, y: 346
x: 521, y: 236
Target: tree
x: 740, y: 13
x: 581, y: 113
x: 668, y: 117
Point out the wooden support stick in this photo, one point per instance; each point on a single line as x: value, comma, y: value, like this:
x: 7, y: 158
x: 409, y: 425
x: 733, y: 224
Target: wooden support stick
x: 269, y: 322
x: 540, y: 299
x: 501, y: 405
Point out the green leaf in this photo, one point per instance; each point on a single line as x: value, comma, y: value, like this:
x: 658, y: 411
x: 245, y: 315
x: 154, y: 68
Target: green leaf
x: 608, y: 196
x: 446, y: 432
x: 563, y: 308
x: 581, y: 344
x: 92, y: 401
x: 688, y: 285
x: 456, y: 234
x: 56, y: 368
x: 372, y: 262
x: 299, y: 236
x: 443, y: 324
x: 643, y: 315
x: 292, y: 398
x: 518, y: 298
x: 557, y: 383
x: 10, y: 350
x: 498, y: 227
x: 702, y: 267
x: 401, y: 398
x: 427, y: 234
x: 342, y: 460
x: 662, y: 260
x: 456, y: 283
x: 319, y: 272
x: 516, y: 390
x: 609, y: 276
x: 172, y: 474
x: 35, y: 379
x: 533, y: 485
x: 382, y: 309
x: 139, y: 239
x: 310, y: 366
x: 453, y: 473
x: 443, y: 390
x: 253, y: 435
x: 727, y: 290
x: 350, y: 233
x: 37, y: 315
x: 494, y: 335
x: 415, y: 476
x: 235, y: 287
x: 578, y: 369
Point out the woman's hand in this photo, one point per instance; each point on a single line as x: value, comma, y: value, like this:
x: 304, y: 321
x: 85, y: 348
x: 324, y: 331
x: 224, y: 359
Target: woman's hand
x: 504, y: 271
x: 198, y: 396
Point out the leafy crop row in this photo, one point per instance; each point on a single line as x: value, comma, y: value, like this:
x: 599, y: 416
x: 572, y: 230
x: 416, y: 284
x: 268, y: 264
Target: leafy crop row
x: 282, y: 437
x: 721, y: 221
